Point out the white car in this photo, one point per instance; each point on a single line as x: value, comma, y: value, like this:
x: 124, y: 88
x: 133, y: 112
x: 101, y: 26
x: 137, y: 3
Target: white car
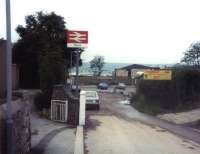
x: 92, y: 100
x: 121, y: 86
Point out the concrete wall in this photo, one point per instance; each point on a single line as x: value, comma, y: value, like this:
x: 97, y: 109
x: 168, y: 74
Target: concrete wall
x: 92, y: 80
x: 82, y: 108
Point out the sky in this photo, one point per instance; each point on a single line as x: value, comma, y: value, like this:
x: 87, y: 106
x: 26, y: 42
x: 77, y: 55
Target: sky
x: 125, y: 31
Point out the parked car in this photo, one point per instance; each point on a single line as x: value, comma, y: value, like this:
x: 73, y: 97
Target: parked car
x: 103, y: 86
x: 92, y: 100
x: 121, y: 86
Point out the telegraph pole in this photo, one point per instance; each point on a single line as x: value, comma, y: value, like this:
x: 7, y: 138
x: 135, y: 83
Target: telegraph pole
x: 9, y: 122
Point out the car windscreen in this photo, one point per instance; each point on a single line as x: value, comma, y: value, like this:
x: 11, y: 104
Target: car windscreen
x: 90, y: 94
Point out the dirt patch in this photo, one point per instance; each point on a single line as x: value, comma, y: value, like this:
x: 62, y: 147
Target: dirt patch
x: 91, y: 124
x: 195, y: 125
x: 189, y: 117
x: 161, y: 130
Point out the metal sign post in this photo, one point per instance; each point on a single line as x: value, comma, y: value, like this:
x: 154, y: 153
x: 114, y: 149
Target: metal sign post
x: 9, y: 122
x: 77, y: 39
x: 77, y: 71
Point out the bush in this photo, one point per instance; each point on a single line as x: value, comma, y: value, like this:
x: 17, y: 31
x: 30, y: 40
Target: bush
x: 43, y: 100
x: 187, y: 82
x: 180, y: 93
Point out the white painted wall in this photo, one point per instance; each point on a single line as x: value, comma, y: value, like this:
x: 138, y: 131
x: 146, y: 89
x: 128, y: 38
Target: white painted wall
x: 82, y: 108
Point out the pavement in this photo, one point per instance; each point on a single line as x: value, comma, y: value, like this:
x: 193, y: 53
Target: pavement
x: 50, y: 137
x: 79, y: 142
x: 120, y: 129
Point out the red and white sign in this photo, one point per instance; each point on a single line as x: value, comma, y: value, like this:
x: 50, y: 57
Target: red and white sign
x: 77, y: 39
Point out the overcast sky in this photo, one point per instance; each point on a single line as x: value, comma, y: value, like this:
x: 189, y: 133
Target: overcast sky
x: 126, y: 31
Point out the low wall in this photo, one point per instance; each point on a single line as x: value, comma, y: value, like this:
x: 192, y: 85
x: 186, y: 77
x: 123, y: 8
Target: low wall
x: 21, y: 127
x: 73, y: 110
x: 126, y: 80
x: 92, y: 80
x: 21, y: 110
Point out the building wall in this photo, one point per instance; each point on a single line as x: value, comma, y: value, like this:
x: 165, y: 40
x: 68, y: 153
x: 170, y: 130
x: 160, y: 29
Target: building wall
x: 135, y: 71
x: 15, y: 71
x: 121, y: 73
x: 2, y: 68
x: 15, y: 76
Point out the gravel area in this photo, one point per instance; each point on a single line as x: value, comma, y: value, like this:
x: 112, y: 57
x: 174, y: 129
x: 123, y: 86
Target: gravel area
x: 118, y: 128
x: 112, y: 135
x: 182, y: 117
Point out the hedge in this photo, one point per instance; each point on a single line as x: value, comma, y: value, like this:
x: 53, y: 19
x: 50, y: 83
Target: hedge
x: 180, y: 93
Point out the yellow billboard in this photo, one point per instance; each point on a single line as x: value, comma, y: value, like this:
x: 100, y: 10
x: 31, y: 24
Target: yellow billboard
x: 158, y: 75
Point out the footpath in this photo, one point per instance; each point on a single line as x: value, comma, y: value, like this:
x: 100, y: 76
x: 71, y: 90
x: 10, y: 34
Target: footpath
x: 50, y: 137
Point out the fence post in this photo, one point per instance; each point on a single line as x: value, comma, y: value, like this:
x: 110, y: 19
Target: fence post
x: 82, y: 108
x: 66, y: 110
x: 51, y: 110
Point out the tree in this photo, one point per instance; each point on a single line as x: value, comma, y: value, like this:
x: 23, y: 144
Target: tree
x: 192, y: 55
x: 41, y: 51
x: 96, y: 65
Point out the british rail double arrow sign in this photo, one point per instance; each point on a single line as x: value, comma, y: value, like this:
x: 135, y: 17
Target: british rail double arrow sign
x: 77, y: 39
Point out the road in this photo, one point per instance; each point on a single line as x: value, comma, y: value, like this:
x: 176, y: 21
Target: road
x: 119, y: 129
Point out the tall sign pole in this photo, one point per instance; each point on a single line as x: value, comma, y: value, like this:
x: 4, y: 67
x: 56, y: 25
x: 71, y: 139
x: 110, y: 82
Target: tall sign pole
x: 77, y: 71
x: 10, y: 149
x: 77, y: 39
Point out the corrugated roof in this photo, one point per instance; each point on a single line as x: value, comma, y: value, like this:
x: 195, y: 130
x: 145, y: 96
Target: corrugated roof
x: 59, y: 93
x: 137, y: 66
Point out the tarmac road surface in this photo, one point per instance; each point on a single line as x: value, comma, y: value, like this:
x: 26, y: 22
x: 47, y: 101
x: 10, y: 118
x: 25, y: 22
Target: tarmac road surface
x: 108, y: 132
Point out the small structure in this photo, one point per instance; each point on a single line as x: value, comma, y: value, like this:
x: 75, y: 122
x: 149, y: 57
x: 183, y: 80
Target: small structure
x: 131, y: 71
x: 64, y: 106
x: 128, y: 73
x: 59, y: 104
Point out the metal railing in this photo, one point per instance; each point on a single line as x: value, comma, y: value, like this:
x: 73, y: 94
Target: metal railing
x: 59, y: 110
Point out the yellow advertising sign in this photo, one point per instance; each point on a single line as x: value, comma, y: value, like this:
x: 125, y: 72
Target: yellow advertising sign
x: 158, y: 75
